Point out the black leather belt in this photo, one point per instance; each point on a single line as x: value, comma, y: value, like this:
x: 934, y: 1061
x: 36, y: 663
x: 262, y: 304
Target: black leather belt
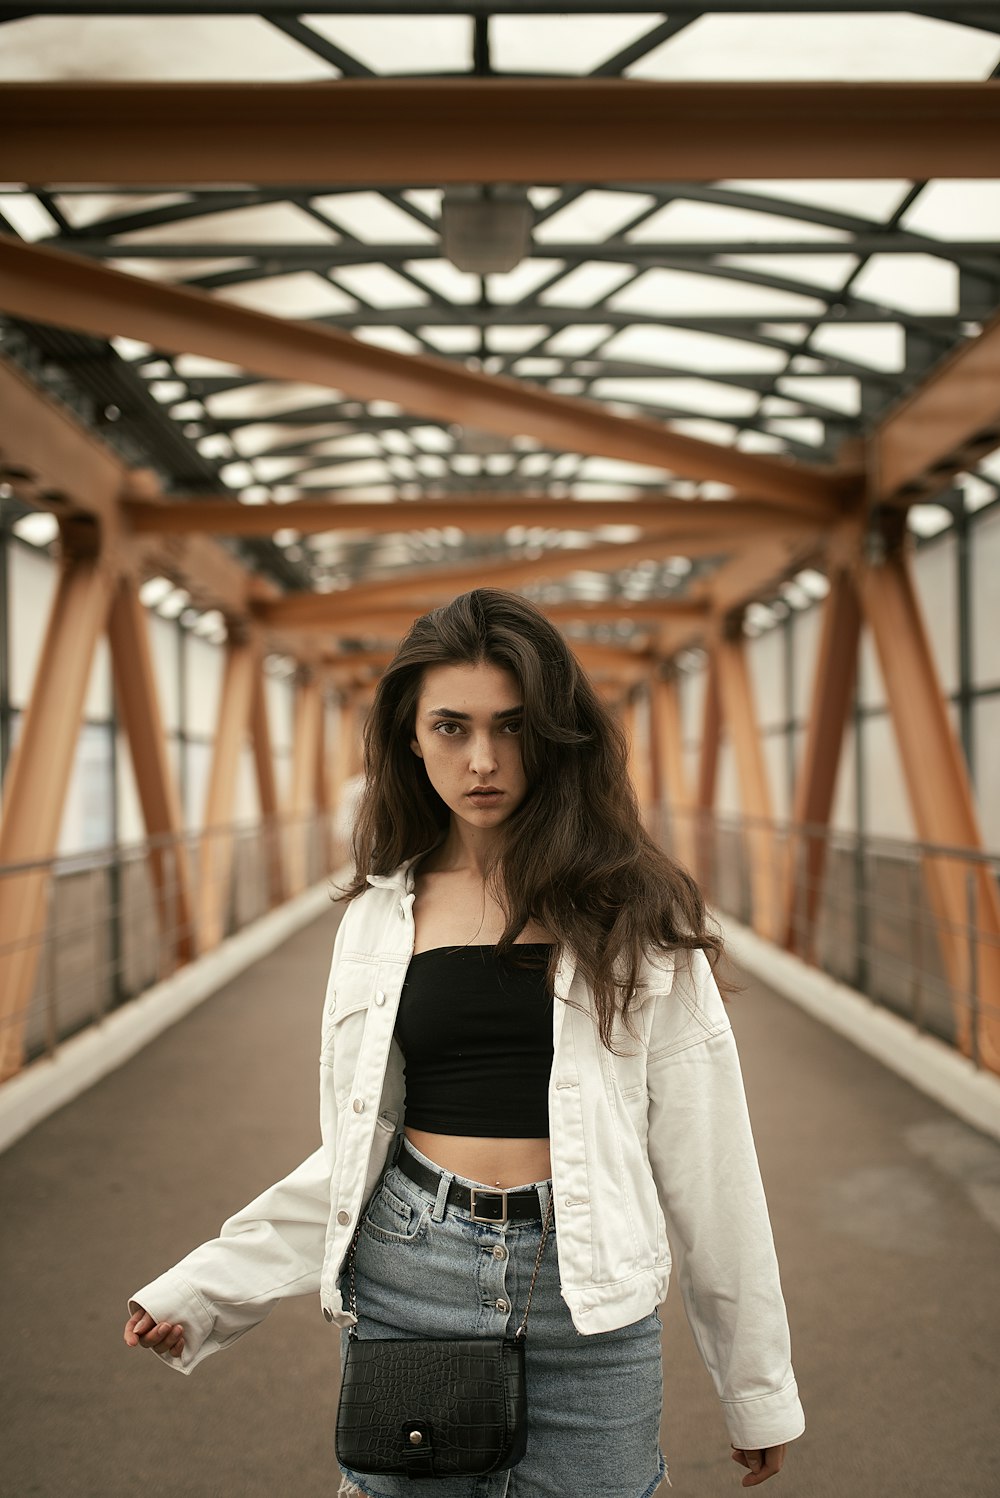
x: 485, y: 1203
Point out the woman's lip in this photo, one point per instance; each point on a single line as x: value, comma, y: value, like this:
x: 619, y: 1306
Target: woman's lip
x: 489, y: 794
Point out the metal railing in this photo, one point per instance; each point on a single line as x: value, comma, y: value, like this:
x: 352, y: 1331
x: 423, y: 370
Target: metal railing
x: 911, y: 925
x: 112, y: 922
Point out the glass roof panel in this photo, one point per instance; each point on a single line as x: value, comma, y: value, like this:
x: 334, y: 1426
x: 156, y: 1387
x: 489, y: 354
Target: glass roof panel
x: 198, y: 366
x: 686, y: 218
x: 620, y: 472
x: 704, y: 429
x: 177, y: 270
x: 577, y: 339
x: 299, y: 294
x: 513, y: 340
x: 453, y: 340
x: 562, y: 43
x: 381, y: 286
x: 349, y: 473
x: 829, y: 271
x: 85, y: 208
x: 804, y: 429
x: 760, y: 442
x: 373, y: 219
x: 692, y: 395
x: 586, y: 284
x: 269, y: 398
x: 875, y: 199
x: 877, y: 345
x: 956, y: 209
x: 840, y: 393
x: 593, y: 216
x: 858, y: 47
x: 262, y: 436
x: 520, y: 282
x: 354, y: 444
x: 224, y: 48
x: 442, y: 277
x: 401, y: 44
x: 686, y: 348
x: 261, y: 223
x: 687, y: 293
x: 27, y: 216
x: 914, y: 283
x: 397, y: 339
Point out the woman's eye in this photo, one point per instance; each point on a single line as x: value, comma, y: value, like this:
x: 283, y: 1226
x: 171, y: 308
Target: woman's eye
x: 514, y: 726
x: 441, y: 727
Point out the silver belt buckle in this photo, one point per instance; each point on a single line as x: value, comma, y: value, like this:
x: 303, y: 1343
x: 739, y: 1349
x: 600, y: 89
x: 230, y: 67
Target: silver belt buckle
x: 476, y: 1192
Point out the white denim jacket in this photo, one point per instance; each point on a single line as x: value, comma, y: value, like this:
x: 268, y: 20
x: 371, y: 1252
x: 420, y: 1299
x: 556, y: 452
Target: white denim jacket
x: 650, y: 1151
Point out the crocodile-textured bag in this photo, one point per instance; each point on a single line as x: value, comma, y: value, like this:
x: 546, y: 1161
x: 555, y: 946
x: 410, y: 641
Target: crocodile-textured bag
x: 451, y: 1407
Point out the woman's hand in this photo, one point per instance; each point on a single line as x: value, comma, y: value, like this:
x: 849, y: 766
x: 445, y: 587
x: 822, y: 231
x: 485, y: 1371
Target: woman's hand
x: 762, y: 1463
x: 142, y: 1331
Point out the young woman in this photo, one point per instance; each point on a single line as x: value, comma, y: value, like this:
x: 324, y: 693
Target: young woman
x: 521, y: 1007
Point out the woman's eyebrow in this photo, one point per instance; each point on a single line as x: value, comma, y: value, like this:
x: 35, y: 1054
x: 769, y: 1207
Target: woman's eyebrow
x: 449, y: 712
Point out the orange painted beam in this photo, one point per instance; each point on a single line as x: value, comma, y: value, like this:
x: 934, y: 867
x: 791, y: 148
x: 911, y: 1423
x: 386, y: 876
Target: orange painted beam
x: 473, y: 513
x: 267, y: 792
x: 675, y: 790
x: 306, y: 751
x: 52, y: 287
x: 138, y: 703
x: 945, y: 425
x: 708, y: 770
x: 36, y: 783
x: 400, y: 132
x: 233, y: 723
x: 963, y: 894
x: 816, y: 780
x: 739, y: 714
x: 424, y: 587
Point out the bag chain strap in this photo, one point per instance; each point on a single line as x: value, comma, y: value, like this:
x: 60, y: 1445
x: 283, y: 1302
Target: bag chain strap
x: 521, y: 1332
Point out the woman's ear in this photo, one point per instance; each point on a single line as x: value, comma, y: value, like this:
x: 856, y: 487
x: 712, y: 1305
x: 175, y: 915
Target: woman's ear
x: 416, y: 748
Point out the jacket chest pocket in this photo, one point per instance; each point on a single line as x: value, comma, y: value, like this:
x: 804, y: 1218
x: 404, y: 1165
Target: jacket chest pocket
x: 344, y: 1018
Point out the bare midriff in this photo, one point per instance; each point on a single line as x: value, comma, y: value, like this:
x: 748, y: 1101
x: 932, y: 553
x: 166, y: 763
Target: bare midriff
x: 453, y: 909
x: 495, y: 1162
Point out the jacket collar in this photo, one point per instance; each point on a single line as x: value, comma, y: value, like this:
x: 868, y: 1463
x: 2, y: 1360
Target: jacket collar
x: 401, y: 878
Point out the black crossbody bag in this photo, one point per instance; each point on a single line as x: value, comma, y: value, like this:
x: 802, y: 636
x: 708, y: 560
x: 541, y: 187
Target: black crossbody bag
x: 446, y: 1407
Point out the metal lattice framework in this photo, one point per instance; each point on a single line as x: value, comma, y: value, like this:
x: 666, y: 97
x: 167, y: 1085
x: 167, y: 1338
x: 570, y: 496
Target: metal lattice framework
x: 753, y: 330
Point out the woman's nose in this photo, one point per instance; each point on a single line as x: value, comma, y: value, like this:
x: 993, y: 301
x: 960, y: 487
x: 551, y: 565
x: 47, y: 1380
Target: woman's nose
x: 482, y: 756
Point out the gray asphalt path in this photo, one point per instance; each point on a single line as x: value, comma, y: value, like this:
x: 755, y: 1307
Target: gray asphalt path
x: 885, y: 1208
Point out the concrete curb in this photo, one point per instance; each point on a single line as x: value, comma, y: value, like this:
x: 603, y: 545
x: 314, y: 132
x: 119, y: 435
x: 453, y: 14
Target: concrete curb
x: 925, y: 1061
x: 83, y: 1060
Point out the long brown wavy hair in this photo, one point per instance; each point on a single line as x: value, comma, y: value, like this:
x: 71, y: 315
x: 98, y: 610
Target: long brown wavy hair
x: 574, y: 856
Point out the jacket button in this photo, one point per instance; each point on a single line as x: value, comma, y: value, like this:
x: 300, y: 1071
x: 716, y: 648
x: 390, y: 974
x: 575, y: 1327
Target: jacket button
x: 380, y: 997
x: 502, y: 1305
x: 327, y: 1314
x: 359, y: 1106
x: 333, y: 1002
x: 499, y: 1253
x: 343, y: 1218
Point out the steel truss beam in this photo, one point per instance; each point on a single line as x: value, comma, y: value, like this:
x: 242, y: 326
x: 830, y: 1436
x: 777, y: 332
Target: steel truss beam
x: 35, y: 787
x: 730, y: 519
x: 964, y: 895
x: 412, y: 133
x: 138, y: 702
x: 50, y: 286
x: 949, y: 422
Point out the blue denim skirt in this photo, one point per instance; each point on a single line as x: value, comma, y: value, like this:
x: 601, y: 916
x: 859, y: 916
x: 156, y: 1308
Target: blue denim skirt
x: 595, y: 1402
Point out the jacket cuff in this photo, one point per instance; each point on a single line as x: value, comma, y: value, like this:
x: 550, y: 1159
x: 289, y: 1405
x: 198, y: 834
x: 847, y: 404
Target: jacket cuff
x: 171, y: 1298
x: 765, y: 1420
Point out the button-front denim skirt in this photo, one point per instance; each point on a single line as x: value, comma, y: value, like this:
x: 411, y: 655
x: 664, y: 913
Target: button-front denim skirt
x: 594, y: 1402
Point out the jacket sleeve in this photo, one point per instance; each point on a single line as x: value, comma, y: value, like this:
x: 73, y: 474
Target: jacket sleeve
x: 704, y: 1162
x: 272, y: 1248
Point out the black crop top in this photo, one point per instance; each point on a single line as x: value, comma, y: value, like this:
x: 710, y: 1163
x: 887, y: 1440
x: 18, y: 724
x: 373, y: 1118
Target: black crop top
x: 476, y: 1035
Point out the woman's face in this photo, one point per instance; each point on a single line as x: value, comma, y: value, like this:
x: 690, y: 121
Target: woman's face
x: 468, y: 734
